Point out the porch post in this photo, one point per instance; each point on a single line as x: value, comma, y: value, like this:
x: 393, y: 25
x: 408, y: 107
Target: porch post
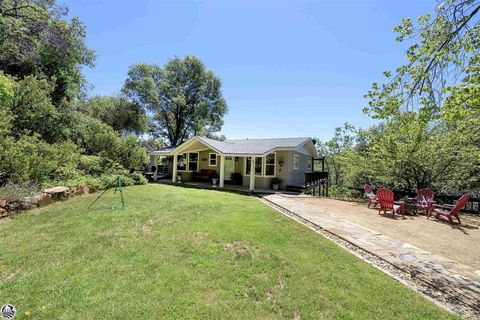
x: 222, y: 170
x: 174, y: 175
x: 155, y: 163
x: 252, y: 173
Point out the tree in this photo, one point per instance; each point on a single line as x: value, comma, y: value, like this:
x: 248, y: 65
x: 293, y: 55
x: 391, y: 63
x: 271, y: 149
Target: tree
x: 342, y: 140
x: 441, y: 61
x: 36, y: 39
x: 123, y: 115
x: 183, y: 97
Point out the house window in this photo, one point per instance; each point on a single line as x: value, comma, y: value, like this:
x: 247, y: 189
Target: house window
x: 258, y: 166
x: 309, y: 164
x: 212, y: 160
x: 270, y: 164
x: 193, y: 161
x: 182, y: 162
x: 296, y: 162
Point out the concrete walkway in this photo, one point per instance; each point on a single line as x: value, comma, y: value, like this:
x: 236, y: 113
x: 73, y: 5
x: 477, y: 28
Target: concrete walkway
x: 457, y: 280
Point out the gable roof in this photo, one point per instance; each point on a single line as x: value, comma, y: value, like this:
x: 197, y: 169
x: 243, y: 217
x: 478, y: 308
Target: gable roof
x: 247, y: 147
x: 165, y: 151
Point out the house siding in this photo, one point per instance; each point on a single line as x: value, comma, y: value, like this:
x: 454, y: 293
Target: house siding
x: 297, y: 177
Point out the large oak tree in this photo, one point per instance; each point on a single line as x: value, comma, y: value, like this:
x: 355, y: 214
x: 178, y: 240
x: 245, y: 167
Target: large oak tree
x: 183, y: 98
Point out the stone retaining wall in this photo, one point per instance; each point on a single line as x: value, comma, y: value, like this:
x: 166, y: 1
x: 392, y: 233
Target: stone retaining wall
x: 40, y: 199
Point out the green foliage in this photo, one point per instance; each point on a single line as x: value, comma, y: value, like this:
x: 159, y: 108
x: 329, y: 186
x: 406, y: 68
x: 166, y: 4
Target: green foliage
x: 37, y: 39
x: 122, y: 115
x: 103, y: 181
x: 47, y: 137
x: 445, y: 48
x: 407, y: 154
x: 430, y: 136
x: 15, y: 191
x: 184, y: 97
x: 30, y: 158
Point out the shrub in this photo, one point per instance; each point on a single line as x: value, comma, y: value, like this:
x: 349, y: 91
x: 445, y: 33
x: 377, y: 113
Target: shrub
x: 138, y: 179
x: 32, y: 159
x: 15, y: 192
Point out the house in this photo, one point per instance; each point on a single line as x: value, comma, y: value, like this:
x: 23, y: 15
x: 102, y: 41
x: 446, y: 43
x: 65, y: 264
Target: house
x: 252, y: 161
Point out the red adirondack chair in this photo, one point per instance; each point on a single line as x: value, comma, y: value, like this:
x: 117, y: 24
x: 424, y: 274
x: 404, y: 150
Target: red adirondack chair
x: 385, y: 198
x: 424, y: 200
x: 372, y: 198
x: 448, y: 210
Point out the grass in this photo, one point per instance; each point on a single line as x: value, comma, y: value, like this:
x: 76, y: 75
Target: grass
x: 186, y: 253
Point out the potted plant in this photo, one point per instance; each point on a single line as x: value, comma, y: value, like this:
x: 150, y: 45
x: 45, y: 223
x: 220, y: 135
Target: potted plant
x: 215, y: 179
x: 276, y: 182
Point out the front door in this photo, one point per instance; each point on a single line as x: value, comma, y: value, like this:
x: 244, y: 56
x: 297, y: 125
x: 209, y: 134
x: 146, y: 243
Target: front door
x: 229, y: 168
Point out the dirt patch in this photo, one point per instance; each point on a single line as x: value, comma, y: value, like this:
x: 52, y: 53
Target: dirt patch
x: 241, y: 249
x: 276, y: 290
x: 10, y: 276
x: 200, y: 237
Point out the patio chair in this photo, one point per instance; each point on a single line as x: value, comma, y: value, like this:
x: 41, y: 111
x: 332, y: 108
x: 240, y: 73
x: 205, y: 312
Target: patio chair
x: 424, y: 200
x: 386, y: 199
x: 449, y: 210
x: 372, y: 198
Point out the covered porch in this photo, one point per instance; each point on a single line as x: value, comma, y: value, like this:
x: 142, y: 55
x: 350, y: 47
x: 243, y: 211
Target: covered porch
x: 197, y: 162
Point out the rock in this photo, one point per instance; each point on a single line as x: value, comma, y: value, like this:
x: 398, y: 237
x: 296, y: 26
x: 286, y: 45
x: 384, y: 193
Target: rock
x: 13, y: 206
x: 58, y: 193
x: 82, y: 190
x: 3, y: 203
x: 42, y: 199
x: 3, y: 212
x: 27, y: 203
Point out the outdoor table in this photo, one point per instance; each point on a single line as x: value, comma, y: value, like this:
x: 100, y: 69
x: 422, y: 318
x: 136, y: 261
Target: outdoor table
x: 410, y: 205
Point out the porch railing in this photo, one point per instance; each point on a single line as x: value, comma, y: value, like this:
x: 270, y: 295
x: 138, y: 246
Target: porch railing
x: 316, y: 182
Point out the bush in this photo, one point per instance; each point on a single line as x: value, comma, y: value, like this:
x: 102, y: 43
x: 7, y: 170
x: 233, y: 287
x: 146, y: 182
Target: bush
x: 32, y: 159
x: 138, y: 179
x: 15, y: 192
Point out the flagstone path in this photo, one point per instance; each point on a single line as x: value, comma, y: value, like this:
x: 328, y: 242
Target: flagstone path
x: 460, y: 281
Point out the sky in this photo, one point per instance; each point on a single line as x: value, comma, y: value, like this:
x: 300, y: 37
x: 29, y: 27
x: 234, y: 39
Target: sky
x: 288, y: 68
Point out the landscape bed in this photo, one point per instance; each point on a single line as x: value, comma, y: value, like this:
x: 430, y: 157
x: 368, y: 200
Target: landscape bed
x: 185, y: 253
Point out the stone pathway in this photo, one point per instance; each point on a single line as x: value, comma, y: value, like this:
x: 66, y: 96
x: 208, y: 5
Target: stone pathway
x: 459, y: 281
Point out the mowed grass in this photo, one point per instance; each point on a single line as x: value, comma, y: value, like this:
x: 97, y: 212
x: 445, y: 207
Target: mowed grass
x: 186, y: 253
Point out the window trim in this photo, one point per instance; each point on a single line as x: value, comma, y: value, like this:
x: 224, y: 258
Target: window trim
x: 210, y: 159
x: 185, y: 154
x: 261, y: 174
x: 274, y: 165
x: 188, y: 163
x: 296, y: 161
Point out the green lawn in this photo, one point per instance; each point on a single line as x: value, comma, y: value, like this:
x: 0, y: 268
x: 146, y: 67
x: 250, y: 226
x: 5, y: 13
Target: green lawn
x: 186, y: 253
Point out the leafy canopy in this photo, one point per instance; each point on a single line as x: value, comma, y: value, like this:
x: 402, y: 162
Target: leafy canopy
x: 37, y: 39
x: 443, y: 63
x: 183, y: 98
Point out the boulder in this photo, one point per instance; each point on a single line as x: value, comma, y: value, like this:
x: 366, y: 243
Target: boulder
x: 13, y: 206
x: 3, y: 212
x: 82, y: 190
x: 27, y: 203
x: 42, y: 199
x: 58, y: 193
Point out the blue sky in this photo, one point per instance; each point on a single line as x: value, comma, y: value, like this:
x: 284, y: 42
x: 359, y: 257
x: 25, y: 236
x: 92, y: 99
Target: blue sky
x: 288, y: 68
